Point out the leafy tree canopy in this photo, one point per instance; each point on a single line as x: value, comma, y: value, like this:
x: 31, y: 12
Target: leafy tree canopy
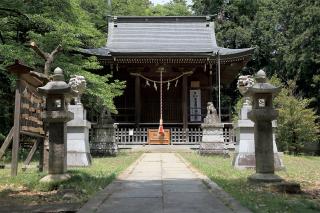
x: 285, y: 34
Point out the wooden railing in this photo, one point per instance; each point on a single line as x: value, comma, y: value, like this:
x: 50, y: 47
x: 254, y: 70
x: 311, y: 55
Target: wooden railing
x: 131, y: 135
x: 134, y: 136
x: 188, y: 136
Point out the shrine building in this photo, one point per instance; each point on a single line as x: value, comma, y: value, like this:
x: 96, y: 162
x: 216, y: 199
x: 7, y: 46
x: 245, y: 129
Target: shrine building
x: 184, y: 51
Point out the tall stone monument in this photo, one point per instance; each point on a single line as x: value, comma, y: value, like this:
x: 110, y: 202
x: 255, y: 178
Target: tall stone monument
x: 78, y: 150
x: 262, y: 114
x: 212, y: 137
x: 56, y: 116
x: 245, y: 152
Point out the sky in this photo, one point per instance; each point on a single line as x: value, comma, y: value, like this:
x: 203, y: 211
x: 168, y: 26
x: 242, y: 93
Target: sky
x: 166, y: 1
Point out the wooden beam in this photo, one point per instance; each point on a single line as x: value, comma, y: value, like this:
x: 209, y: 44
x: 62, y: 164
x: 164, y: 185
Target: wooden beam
x: 31, y: 153
x: 16, y: 132
x: 137, y: 101
x: 6, y: 142
x: 185, y: 101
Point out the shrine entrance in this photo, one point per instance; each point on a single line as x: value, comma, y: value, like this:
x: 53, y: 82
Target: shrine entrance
x: 171, y: 100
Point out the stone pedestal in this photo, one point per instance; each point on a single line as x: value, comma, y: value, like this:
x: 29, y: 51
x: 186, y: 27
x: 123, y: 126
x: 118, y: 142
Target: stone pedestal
x: 212, y: 140
x: 103, y: 141
x: 212, y: 133
x: 245, y: 151
x: 78, y: 150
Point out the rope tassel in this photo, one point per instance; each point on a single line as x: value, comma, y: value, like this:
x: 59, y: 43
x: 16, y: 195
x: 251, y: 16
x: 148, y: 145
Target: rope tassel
x: 147, y: 83
x: 168, y: 87
x: 176, y: 83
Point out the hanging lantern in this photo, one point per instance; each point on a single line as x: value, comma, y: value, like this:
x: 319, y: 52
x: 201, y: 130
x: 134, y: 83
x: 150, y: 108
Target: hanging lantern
x: 147, y: 83
x: 176, y: 83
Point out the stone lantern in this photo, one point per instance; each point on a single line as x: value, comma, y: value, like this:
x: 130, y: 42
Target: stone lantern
x: 56, y: 116
x: 262, y: 114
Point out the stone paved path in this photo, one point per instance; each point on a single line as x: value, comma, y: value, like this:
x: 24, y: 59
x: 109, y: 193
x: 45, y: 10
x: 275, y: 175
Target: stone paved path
x: 159, y: 183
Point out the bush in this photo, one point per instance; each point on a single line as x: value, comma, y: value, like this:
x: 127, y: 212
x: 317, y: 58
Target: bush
x: 296, y: 122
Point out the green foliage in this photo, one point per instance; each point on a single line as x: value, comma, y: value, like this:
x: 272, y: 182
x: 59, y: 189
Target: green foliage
x: 173, y: 8
x: 71, y: 23
x: 130, y: 8
x: 285, y: 34
x: 296, y: 124
x: 296, y: 121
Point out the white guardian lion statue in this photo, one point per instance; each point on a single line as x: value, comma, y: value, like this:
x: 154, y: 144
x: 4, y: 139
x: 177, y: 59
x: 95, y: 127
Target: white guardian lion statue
x: 78, y: 85
x: 244, y: 82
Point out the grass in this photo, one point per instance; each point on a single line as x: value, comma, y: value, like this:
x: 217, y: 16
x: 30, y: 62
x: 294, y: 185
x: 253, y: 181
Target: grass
x: 26, y: 188
x: 262, y: 198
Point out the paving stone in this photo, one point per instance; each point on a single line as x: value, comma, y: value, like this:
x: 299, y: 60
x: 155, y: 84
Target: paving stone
x: 160, y: 183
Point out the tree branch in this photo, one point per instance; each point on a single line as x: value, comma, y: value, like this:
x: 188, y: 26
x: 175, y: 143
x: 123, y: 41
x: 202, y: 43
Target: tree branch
x: 55, y: 51
x: 42, y: 54
x: 49, y: 58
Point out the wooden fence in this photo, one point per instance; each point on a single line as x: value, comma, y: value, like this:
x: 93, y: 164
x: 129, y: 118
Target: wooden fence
x: 134, y: 136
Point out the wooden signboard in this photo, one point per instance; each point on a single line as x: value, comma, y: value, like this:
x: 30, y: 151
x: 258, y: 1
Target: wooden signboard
x: 29, y: 106
x: 155, y: 138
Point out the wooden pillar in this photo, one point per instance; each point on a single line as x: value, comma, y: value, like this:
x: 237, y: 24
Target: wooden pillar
x: 137, y: 101
x: 185, y: 101
x: 210, y: 88
x: 16, y: 133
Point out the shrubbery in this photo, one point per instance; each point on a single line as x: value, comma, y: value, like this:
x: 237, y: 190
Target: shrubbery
x: 296, y: 122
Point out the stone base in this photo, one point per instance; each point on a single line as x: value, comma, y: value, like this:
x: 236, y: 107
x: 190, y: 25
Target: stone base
x: 212, y: 140
x: 55, y: 178
x: 79, y: 159
x: 104, y: 148
x: 264, y: 178
x: 248, y: 161
x: 212, y: 148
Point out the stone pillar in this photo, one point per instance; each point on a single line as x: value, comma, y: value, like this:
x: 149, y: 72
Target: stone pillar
x: 78, y: 150
x: 245, y: 150
x: 262, y: 114
x: 212, y: 133
x: 56, y: 115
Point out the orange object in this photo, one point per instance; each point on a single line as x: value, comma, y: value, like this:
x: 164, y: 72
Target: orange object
x: 161, y: 130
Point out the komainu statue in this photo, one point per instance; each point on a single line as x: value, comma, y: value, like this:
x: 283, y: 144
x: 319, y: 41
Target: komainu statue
x: 78, y: 85
x: 212, y: 116
x: 244, y: 82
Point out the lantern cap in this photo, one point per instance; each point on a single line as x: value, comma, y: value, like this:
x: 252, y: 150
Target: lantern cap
x: 262, y: 86
x: 58, y: 74
x: 58, y: 86
x: 261, y: 77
